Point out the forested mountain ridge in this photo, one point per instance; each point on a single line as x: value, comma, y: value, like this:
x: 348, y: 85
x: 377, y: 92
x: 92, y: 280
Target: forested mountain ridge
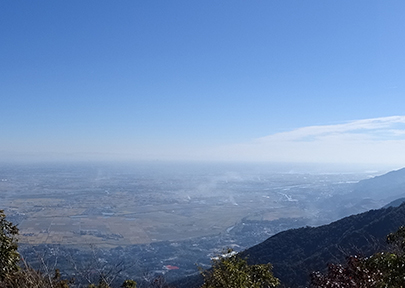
x: 296, y: 253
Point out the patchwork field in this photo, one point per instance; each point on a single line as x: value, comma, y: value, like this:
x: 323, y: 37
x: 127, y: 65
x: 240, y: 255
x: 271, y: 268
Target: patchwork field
x: 106, y: 206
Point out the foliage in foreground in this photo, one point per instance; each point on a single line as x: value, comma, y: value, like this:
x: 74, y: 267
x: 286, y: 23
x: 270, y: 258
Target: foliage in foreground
x: 235, y: 272
x: 14, y: 276
x: 11, y: 274
x: 9, y: 257
x: 30, y: 278
x: 383, y: 269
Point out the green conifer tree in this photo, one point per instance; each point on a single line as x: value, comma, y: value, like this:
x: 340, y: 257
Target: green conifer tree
x: 9, y: 257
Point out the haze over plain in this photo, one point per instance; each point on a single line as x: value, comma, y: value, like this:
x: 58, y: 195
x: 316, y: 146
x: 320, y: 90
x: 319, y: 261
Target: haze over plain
x: 290, y: 81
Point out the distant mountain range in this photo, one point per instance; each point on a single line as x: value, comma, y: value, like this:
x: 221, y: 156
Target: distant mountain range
x: 296, y: 253
x: 390, y: 186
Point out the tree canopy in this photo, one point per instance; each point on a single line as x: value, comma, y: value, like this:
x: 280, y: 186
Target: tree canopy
x: 382, y: 269
x: 9, y: 256
x: 234, y: 272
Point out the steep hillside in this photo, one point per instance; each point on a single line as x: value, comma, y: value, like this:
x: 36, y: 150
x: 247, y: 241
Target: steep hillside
x: 296, y: 253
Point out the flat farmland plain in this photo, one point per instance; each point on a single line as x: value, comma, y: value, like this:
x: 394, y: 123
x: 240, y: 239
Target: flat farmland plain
x: 111, y: 205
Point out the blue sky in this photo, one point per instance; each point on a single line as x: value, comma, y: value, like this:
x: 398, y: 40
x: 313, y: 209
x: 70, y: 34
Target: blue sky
x: 202, y: 80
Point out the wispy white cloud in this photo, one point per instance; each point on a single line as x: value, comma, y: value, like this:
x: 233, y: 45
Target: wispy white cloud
x: 374, y: 141
x: 371, y: 127
x: 377, y: 140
